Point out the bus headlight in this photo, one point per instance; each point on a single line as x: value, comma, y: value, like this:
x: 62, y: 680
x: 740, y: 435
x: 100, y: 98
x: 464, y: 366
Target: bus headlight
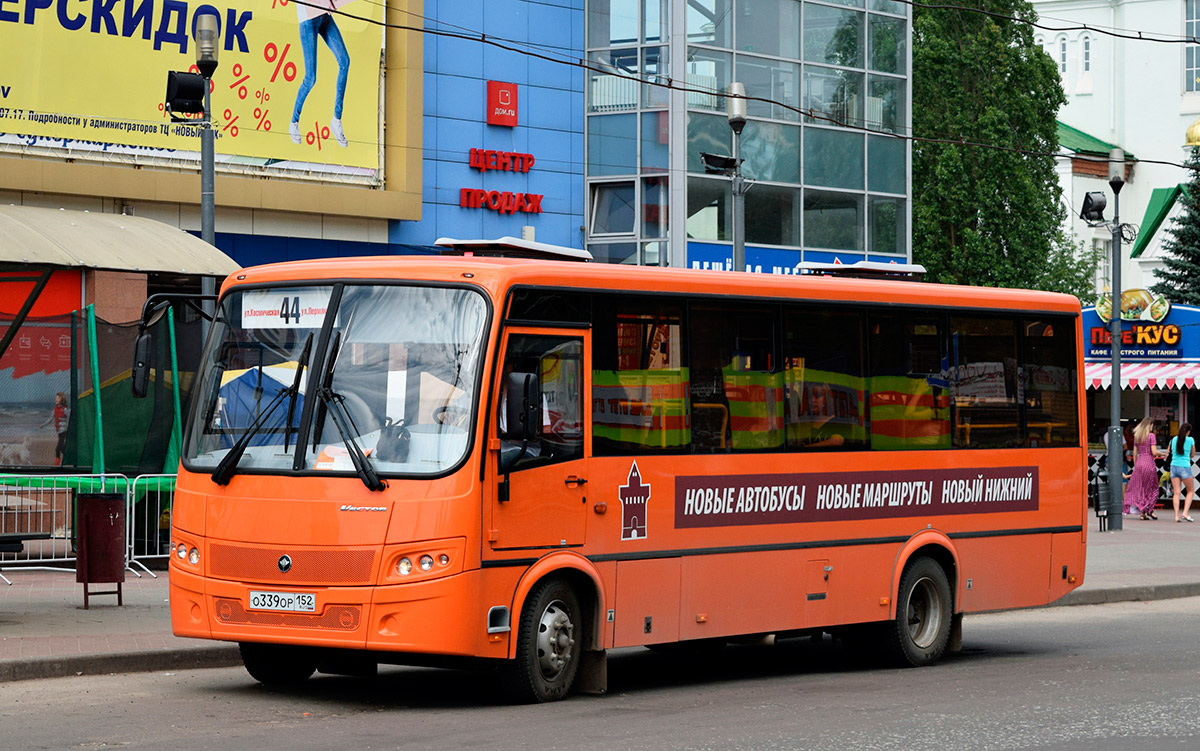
x: 415, y: 562
x: 181, y: 551
x: 194, y: 556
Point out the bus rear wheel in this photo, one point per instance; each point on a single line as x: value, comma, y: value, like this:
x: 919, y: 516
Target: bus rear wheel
x: 549, y: 640
x: 924, y: 611
x: 278, y: 664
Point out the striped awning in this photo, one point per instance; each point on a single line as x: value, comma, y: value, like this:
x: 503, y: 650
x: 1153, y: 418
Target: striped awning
x: 1144, y: 375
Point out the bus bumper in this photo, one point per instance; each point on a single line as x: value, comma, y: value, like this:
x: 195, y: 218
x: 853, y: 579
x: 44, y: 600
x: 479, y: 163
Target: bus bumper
x: 435, y: 617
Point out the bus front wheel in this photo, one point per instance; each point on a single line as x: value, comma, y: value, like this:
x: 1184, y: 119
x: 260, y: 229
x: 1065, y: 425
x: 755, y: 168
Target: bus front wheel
x: 924, y: 610
x: 549, y: 640
x: 277, y: 664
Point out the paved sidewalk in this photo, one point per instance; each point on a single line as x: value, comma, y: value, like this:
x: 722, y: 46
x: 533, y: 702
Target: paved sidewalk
x: 45, y: 632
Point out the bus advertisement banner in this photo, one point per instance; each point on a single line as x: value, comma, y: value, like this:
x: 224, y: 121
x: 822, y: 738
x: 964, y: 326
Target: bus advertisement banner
x: 90, y: 77
x: 733, y: 500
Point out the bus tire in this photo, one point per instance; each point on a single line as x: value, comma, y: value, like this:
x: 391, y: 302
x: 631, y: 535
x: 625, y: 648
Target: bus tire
x: 924, y: 610
x: 278, y: 664
x: 549, y: 641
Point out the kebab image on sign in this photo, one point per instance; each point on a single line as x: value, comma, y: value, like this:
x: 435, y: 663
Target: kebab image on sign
x: 1136, y: 305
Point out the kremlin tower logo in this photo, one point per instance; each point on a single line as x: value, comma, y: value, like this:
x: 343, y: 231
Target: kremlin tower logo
x: 633, y: 495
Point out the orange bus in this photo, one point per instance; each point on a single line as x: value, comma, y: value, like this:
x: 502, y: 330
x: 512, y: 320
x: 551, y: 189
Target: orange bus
x: 526, y: 462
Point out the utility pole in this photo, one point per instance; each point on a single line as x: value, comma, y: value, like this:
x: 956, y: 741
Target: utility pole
x: 1116, y: 441
x: 207, y: 42
x: 736, y: 107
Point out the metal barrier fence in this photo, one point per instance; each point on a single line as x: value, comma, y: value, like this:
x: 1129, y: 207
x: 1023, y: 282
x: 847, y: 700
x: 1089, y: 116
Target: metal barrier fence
x: 148, y: 519
x: 42, y: 508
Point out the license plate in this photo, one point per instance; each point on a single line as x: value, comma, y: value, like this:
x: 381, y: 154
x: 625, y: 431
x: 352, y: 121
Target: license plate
x: 296, y: 602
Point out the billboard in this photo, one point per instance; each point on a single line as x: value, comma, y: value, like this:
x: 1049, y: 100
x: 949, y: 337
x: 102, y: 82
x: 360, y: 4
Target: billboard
x: 90, y: 76
x: 1160, y: 331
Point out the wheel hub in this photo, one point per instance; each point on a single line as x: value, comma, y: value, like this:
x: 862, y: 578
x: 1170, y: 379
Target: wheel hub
x: 555, y: 640
x: 924, y: 613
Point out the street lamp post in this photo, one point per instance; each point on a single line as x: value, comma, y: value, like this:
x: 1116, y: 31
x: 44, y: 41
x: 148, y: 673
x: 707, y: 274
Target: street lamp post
x: 736, y: 108
x: 207, y: 38
x: 1116, y: 442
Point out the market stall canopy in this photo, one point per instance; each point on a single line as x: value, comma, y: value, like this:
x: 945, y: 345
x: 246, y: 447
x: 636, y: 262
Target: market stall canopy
x: 1143, y: 375
x: 57, y: 237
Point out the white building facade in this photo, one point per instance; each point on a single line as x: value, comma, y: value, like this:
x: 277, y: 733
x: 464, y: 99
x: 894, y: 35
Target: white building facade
x: 1136, y: 94
x: 1140, y: 95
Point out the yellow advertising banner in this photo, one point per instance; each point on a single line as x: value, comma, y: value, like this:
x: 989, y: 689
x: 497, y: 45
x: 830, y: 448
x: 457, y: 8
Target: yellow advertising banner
x: 92, y: 75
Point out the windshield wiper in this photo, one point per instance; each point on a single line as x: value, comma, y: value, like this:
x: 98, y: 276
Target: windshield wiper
x: 300, y: 366
x: 344, y: 424
x: 228, y: 464
x: 325, y: 385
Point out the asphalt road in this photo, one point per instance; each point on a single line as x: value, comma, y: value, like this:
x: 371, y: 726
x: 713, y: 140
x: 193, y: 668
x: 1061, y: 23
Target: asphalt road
x: 1096, y: 677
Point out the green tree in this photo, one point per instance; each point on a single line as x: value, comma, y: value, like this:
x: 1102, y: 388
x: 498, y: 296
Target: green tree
x: 981, y: 216
x: 1179, y: 277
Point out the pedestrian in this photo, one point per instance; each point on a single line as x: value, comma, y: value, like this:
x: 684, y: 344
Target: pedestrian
x: 1141, y: 494
x: 1182, y: 450
x: 60, y: 417
x: 1127, y: 439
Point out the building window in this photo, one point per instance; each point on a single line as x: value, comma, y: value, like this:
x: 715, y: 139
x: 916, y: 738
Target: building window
x: 612, y: 22
x: 820, y: 75
x: 1191, y: 53
x: 1087, y: 53
x: 710, y: 209
x: 886, y: 217
x: 612, y: 145
x: 1102, y: 247
x: 612, y: 209
x: 1062, y: 55
x: 708, y: 22
x: 833, y: 221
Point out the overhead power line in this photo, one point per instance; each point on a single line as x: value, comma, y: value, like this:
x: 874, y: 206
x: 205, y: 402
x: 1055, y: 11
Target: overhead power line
x: 675, y: 85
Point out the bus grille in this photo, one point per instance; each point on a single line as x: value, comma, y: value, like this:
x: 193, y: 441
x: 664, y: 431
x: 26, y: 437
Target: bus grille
x: 325, y: 567
x: 337, y: 617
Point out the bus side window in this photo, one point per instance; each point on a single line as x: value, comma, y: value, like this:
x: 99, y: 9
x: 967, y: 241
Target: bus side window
x: 1048, y: 356
x: 983, y: 382
x: 736, y: 387
x: 824, y: 383
x: 909, y: 403
x: 557, y: 361
x: 639, y: 383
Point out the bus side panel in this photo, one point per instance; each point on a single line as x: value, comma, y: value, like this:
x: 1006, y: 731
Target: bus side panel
x: 647, y: 604
x: 187, y: 506
x: 443, y: 616
x: 1068, y: 553
x: 189, y: 616
x: 740, y: 593
x: 859, y: 584
x: 1004, y: 572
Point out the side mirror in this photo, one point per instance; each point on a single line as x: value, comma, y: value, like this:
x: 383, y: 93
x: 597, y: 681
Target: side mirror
x: 141, y: 364
x: 523, y: 408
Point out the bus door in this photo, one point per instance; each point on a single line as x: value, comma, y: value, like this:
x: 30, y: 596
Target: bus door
x: 539, y: 497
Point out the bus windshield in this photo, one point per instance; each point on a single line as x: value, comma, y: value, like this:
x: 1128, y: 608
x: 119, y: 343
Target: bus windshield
x: 391, y: 385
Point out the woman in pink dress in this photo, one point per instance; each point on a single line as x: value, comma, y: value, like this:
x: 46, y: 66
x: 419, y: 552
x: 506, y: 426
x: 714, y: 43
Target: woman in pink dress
x: 1141, y: 494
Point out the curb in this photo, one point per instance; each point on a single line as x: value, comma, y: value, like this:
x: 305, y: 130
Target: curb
x: 1135, y: 593
x: 120, y: 662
